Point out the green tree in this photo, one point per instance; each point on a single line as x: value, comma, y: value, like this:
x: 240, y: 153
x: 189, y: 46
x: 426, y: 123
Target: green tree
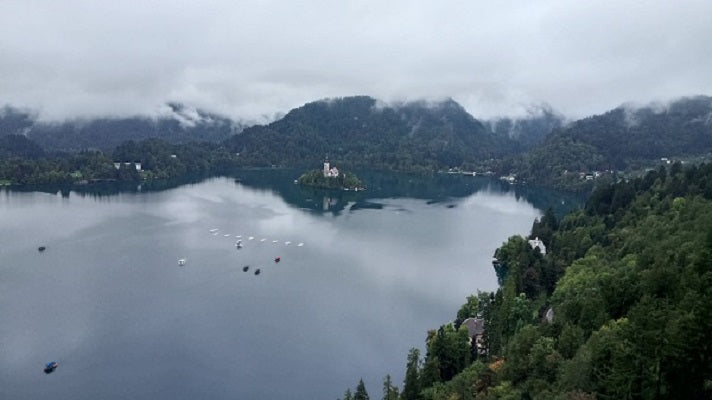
x: 390, y: 391
x: 360, y: 393
x: 411, y: 382
x: 348, y: 395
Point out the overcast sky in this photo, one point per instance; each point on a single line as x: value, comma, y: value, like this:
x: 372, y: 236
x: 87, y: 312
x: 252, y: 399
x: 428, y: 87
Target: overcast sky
x: 252, y: 60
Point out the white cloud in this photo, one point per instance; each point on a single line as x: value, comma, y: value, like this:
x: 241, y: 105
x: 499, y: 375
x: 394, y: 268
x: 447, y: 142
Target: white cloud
x: 251, y: 60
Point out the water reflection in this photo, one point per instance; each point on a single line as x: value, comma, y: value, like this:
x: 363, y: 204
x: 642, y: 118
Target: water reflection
x: 405, y: 253
x: 437, y: 188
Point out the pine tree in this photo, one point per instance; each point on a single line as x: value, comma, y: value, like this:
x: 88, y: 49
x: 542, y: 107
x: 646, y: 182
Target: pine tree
x: 361, y: 393
x: 411, y: 383
x: 390, y: 392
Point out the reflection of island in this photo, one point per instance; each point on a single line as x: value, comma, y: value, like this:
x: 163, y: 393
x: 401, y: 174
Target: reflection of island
x: 437, y: 189
x: 330, y: 178
x: 329, y: 202
x: 443, y: 189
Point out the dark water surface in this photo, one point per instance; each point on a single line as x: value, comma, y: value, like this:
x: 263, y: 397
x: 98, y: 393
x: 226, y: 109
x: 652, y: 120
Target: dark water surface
x: 108, y: 301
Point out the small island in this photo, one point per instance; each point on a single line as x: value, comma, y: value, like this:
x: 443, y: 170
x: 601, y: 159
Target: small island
x: 331, y: 178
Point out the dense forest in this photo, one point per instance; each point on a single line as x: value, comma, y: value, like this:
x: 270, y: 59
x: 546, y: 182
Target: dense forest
x: 177, y: 124
x: 363, y: 133
x: 625, y: 138
x: 23, y: 162
x: 423, y: 137
x: 619, y: 307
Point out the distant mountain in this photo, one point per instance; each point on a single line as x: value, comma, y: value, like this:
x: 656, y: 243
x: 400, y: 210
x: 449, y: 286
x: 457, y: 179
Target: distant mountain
x: 619, y: 139
x: 19, y: 146
x: 361, y: 132
x: 528, y: 130
x: 180, y: 124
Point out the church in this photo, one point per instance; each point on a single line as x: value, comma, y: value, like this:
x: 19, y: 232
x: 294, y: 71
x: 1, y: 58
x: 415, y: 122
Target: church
x: 330, y: 172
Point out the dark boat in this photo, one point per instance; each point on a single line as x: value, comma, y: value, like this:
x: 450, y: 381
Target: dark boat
x: 278, y: 259
x: 257, y: 271
x: 245, y: 268
x: 41, y: 248
x: 50, y: 367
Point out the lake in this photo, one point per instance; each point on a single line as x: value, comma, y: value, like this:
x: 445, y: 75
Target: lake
x: 107, y: 299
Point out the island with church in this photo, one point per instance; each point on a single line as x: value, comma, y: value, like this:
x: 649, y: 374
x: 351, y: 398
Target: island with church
x: 331, y: 178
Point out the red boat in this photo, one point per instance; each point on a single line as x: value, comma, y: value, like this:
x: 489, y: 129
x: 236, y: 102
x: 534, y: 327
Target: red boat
x: 278, y: 259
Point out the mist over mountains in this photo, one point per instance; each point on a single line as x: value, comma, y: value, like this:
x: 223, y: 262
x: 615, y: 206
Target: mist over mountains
x: 623, y: 138
x: 176, y: 124
x: 181, y: 124
x: 360, y: 131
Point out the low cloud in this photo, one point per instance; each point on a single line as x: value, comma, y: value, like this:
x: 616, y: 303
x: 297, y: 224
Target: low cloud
x: 257, y: 60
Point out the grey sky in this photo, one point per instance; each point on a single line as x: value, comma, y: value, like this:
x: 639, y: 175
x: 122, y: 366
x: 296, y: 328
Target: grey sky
x: 254, y: 59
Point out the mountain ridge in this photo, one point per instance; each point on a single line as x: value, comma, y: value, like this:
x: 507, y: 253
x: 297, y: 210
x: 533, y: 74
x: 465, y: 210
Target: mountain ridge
x: 176, y: 124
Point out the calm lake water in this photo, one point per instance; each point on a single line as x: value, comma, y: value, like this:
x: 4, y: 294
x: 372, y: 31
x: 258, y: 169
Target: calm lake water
x: 108, y: 301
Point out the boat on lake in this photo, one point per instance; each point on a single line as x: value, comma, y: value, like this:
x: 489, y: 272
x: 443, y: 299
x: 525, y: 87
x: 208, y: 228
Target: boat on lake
x: 181, y: 262
x: 50, y: 367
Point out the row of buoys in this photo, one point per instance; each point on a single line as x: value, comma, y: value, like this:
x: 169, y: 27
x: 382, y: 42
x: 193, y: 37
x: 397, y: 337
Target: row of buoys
x: 215, y: 232
x: 239, y: 245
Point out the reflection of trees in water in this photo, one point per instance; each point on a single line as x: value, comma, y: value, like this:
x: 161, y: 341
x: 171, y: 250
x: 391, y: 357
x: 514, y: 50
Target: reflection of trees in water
x: 436, y: 188
x: 103, y: 189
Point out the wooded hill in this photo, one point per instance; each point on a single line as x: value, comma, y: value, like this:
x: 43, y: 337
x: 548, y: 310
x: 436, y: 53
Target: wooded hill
x: 620, y: 307
x: 179, y: 125
x: 621, y: 139
x: 421, y: 136
x: 360, y: 132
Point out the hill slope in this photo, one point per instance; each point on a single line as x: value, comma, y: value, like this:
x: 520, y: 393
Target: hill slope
x: 360, y: 132
x: 619, y: 307
x: 620, y: 139
x: 179, y: 125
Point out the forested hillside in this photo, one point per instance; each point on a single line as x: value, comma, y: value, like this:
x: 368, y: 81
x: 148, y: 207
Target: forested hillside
x: 22, y: 162
x: 363, y: 133
x: 179, y: 125
x: 620, y: 139
x: 529, y: 130
x: 619, y: 307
